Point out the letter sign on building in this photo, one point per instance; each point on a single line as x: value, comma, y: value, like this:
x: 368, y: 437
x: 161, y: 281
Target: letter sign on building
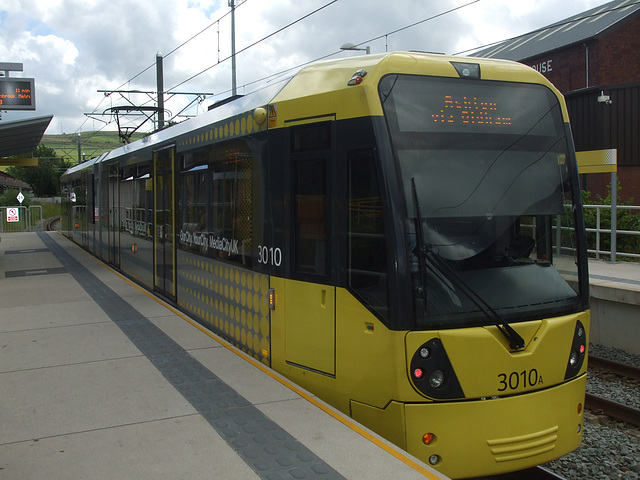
x: 543, y: 67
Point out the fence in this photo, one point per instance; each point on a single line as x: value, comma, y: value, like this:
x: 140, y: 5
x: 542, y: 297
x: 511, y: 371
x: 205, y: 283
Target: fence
x: 20, y: 219
x: 28, y: 218
x: 613, y: 234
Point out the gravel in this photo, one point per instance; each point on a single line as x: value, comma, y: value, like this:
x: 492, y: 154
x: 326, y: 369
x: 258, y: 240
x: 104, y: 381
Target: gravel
x: 610, y: 449
x: 615, y: 354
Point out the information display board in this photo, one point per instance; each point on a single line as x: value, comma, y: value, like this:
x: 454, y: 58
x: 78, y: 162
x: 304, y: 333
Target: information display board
x: 17, y: 94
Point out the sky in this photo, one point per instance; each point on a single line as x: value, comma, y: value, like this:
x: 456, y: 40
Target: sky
x: 73, y: 48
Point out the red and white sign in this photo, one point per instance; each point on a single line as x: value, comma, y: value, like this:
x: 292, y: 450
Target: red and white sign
x: 13, y: 214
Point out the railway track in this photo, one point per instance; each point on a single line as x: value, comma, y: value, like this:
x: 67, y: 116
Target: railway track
x: 51, y: 223
x: 535, y: 473
x: 620, y: 369
x: 539, y: 473
x: 609, y: 407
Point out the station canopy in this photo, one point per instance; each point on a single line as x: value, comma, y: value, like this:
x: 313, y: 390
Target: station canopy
x: 21, y: 137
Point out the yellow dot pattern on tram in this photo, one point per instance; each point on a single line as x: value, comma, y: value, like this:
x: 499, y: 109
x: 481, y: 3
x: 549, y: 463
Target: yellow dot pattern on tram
x: 231, y: 301
x: 237, y: 126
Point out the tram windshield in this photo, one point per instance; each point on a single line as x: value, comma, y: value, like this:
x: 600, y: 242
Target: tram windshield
x: 488, y: 189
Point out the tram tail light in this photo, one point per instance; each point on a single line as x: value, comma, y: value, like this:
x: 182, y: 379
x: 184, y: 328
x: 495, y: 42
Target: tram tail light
x: 428, y: 438
x: 578, y: 351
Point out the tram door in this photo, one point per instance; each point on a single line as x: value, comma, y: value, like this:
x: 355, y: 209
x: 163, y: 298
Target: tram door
x: 164, y: 248
x: 114, y: 227
x: 310, y: 301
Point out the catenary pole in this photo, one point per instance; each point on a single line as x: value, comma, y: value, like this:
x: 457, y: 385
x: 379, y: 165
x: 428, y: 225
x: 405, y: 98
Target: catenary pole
x: 232, y: 4
x: 160, y: 84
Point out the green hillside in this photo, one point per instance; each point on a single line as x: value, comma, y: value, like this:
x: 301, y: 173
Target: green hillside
x: 93, y: 143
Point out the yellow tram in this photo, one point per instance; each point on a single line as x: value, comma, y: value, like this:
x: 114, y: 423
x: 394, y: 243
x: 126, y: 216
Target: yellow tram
x: 401, y: 234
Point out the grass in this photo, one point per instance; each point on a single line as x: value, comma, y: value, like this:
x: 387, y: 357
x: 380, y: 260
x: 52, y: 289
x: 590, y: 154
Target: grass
x: 49, y: 209
x: 93, y: 143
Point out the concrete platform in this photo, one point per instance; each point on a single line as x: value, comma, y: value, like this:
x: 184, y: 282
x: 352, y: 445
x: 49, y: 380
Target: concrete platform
x: 101, y: 380
x: 615, y: 304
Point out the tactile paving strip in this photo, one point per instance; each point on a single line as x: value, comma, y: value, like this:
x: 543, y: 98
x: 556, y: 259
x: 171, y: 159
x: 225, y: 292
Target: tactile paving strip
x: 265, y: 446
x: 37, y: 271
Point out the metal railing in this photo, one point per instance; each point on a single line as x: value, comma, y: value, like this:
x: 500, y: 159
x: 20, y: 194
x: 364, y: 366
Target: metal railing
x: 612, y: 233
x: 20, y: 219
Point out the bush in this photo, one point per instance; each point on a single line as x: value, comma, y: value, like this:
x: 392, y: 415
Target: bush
x: 9, y: 199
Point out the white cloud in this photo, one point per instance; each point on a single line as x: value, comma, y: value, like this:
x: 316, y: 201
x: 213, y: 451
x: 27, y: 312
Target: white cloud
x: 75, y: 47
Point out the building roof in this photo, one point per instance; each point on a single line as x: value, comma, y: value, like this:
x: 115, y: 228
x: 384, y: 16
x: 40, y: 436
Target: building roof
x: 572, y: 30
x: 22, y: 136
x: 7, y: 181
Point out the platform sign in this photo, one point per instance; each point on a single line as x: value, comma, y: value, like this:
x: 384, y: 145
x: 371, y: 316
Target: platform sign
x: 17, y: 94
x: 13, y: 214
x: 598, y: 161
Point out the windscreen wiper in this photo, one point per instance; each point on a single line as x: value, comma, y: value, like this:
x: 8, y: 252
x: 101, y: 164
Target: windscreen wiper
x: 516, y: 342
x: 426, y: 254
x: 420, y: 240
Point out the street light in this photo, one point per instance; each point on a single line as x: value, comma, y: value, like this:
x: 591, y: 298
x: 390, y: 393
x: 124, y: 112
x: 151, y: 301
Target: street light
x: 352, y: 46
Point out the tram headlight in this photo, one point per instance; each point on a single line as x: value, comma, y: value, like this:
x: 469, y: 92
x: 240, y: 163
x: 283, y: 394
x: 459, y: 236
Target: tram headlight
x: 578, y: 351
x: 573, y: 358
x: 431, y: 372
x: 436, y: 379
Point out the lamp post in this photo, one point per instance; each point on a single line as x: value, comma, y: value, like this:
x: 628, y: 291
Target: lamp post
x: 352, y: 46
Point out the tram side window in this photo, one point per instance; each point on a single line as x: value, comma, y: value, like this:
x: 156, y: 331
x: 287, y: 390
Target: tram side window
x: 80, y: 205
x: 193, y: 204
x: 311, y: 216
x: 194, y: 211
x: 126, y: 192
x: 231, y: 170
x: 143, y: 202
x: 367, y: 257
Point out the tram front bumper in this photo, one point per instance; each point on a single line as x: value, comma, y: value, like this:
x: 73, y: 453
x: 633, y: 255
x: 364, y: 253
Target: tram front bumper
x: 498, y: 435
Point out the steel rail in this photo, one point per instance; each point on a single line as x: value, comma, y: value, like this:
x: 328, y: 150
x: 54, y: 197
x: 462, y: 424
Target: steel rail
x: 621, y: 369
x: 534, y: 473
x: 613, y: 409
x: 51, y: 222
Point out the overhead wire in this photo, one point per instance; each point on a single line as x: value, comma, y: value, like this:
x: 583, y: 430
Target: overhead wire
x: 282, y: 72
x: 219, y: 61
x: 433, y: 17
x: 269, y: 36
x: 257, y: 42
x: 217, y: 21
x: 304, y: 17
x: 392, y: 32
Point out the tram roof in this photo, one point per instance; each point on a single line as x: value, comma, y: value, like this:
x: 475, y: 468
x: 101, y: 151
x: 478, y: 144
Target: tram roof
x: 310, y: 80
x: 242, y: 104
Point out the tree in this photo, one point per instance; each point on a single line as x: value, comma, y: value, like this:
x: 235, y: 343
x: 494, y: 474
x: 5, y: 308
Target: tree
x: 44, y: 178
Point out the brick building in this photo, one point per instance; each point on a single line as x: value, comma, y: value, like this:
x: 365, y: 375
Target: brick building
x: 594, y: 59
